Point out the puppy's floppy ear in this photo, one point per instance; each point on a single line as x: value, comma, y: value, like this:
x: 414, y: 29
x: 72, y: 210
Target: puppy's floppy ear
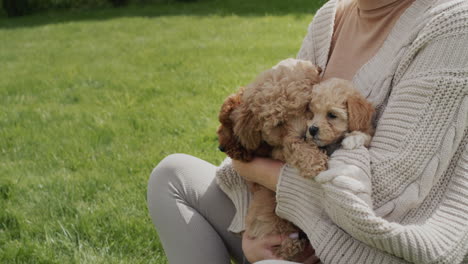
x: 360, y: 113
x: 246, y: 127
x: 226, y: 138
x: 229, y: 104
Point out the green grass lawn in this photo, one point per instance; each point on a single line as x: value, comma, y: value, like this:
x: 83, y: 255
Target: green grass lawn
x: 92, y: 100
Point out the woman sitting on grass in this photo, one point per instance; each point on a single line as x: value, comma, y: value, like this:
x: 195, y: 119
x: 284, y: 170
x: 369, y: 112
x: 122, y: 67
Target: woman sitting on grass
x: 409, y: 58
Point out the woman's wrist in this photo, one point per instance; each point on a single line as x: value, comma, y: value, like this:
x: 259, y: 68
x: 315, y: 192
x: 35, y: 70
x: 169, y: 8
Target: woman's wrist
x: 263, y: 171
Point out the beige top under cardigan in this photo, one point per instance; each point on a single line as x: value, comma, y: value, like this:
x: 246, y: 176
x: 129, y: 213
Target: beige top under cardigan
x: 417, y: 164
x: 361, y: 26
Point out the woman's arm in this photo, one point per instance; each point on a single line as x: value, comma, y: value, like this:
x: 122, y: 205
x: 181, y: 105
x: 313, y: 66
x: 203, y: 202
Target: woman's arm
x: 263, y: 171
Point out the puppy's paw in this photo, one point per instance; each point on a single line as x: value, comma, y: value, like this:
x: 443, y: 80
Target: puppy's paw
x: 355, y: 140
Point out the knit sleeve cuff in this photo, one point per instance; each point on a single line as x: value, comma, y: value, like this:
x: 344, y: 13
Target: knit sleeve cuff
x: 358, y: 157
x: 235, y: 187
x: 293, y: 192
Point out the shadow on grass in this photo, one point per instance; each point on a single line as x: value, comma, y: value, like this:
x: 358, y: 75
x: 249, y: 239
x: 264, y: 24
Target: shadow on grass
x: 169, y: 8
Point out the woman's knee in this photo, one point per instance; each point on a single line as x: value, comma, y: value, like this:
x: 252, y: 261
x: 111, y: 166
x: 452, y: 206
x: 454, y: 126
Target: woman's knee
x: 171, y: 162
x: 179, y: 176
x: 164, y: 178
x: 167, y: 169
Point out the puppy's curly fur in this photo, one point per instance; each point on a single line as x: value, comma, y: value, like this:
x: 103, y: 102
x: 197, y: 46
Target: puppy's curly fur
x: 272, y: 117
x: 228, y: 142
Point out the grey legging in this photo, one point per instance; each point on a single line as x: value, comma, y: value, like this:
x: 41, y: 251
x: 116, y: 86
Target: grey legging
x: 191, y: 213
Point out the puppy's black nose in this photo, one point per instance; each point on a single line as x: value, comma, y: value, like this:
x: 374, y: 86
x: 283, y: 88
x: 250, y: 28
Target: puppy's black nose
x: 221, y: 148
x: 313, y: 130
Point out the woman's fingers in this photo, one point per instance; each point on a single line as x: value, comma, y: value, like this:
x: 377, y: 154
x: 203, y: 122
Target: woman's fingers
x: 261, y: 248
x: 270, y: 255
x: 256, y: 249
x: 273, y: 240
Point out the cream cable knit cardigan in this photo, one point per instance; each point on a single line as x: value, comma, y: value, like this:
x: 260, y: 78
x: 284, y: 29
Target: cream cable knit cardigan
x: 416, y: 169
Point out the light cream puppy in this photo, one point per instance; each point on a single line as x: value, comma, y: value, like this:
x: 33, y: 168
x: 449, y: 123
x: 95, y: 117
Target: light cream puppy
x: 340, y: 114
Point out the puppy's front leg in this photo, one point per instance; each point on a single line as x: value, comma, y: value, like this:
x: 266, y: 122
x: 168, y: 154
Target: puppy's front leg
x: 306, y: 157
x: 355, y: 140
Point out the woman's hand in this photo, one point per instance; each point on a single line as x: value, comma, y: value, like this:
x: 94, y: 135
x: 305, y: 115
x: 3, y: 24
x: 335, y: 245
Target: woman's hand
x: 257, y: 249
x: 263, y: 171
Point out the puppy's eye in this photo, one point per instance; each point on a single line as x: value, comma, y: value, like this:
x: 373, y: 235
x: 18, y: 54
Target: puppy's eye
x: 331, y: 115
